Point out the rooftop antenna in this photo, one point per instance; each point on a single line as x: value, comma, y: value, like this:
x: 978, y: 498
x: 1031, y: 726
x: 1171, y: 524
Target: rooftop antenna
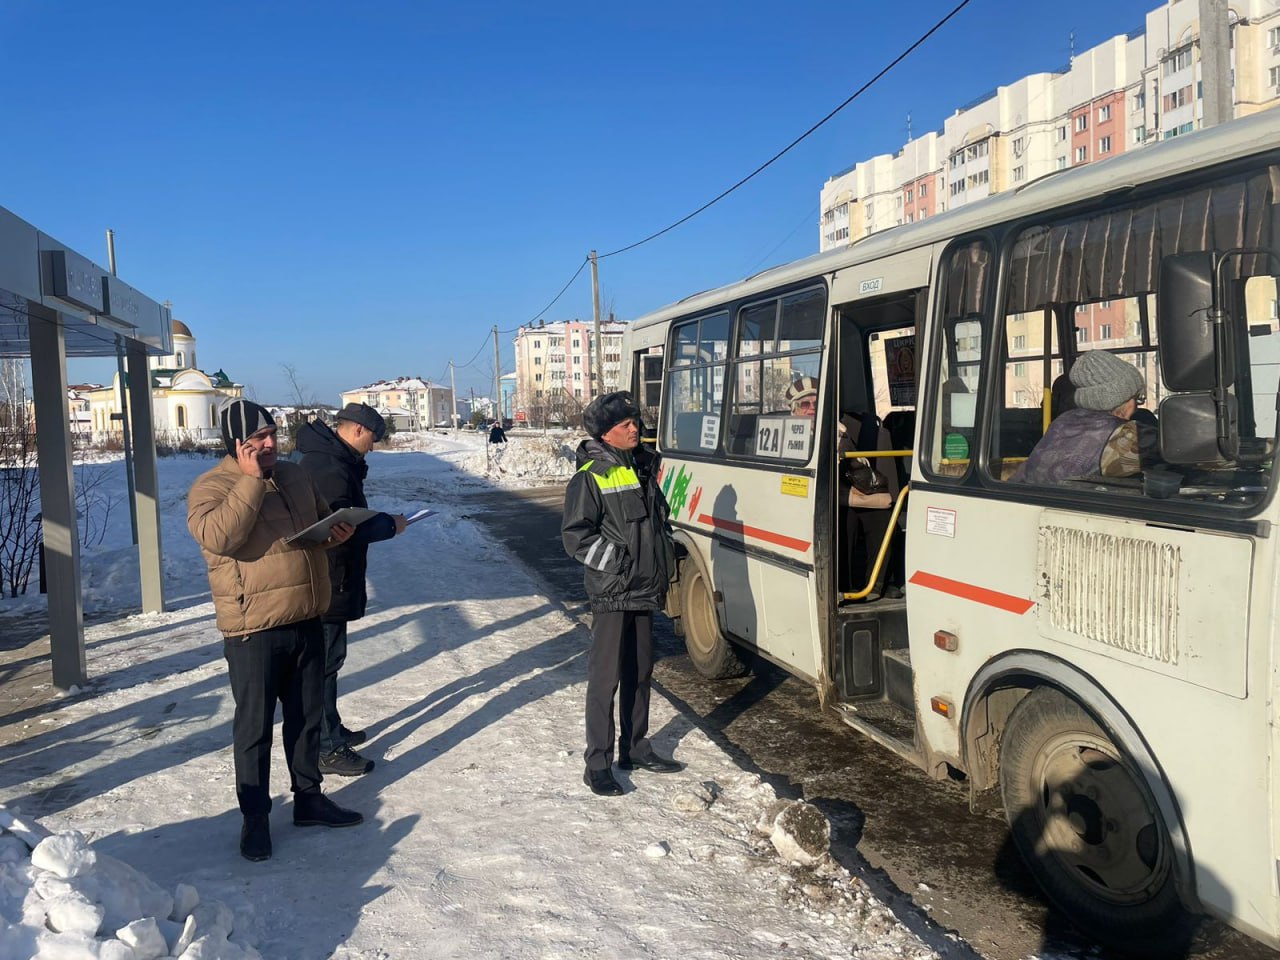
x: 908, y: 126
x: 1071, y: 49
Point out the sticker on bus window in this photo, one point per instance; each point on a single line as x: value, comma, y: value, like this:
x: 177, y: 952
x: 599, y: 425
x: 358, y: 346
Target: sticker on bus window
x: 710, y: 431
x: 940, y: 523
x: 795, y: 438
x: 795, y: 486
x: 769, y: 436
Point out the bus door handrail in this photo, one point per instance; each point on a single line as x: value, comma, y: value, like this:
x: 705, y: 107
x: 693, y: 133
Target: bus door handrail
x: 884, y: 547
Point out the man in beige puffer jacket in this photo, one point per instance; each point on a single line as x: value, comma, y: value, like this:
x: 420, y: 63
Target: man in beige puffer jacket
x: 268, y: 597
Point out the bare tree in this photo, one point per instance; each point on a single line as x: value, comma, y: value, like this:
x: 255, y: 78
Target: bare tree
x: 302, y: 395
x: 19, y: 501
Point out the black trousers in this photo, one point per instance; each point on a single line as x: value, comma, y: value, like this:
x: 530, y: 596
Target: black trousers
x: 620, y: 661
x: 335, y: 655
x: 284, y: 664
x: 866, y: 529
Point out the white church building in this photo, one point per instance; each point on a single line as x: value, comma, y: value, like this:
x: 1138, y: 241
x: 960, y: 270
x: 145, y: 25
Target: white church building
x: 184, y: 399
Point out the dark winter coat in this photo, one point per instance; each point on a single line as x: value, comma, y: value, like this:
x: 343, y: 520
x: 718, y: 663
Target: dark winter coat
x: 1082, y: 443
x: 615, y: 525
x: 338, y: 473
x: 497, y: 434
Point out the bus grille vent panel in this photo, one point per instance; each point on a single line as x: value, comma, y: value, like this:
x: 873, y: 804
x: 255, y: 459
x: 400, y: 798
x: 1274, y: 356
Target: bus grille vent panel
x: 1118, y: 591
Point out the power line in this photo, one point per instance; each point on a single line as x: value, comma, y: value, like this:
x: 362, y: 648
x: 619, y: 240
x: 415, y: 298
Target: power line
x: 808, y: 217
x: 787, y: 149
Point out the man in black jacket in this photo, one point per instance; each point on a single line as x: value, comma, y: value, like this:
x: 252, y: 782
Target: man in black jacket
x: 615, y: 525
x: 335, y: 460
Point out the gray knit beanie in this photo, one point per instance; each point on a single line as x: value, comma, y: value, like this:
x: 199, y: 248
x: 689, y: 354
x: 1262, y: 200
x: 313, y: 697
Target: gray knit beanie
x: 1103, y: 381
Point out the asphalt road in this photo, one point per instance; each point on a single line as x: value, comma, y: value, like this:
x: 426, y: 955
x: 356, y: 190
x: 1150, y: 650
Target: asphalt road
x: 939, y: 866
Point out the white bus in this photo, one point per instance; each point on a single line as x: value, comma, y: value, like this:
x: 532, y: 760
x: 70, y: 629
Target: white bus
x: 1101, y: 650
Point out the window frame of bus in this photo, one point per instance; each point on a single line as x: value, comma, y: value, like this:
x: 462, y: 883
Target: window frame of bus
x: 737, y: 361
x: 1184, y: 193
x: 942, y: 343
x: 678, y: 365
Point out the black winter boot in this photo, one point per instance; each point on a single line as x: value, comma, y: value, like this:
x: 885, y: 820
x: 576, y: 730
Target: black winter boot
x: 255, y: 837
x: 602, y: 783
x: 317, y: 810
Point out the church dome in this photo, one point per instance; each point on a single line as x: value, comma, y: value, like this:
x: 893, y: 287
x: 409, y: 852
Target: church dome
x: 181, y: 329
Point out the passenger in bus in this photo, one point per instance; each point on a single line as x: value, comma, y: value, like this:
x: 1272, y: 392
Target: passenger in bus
x: 867, y: 491
x: 1098, y: 437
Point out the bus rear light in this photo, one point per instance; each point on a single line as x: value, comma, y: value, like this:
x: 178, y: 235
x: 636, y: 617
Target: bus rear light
x: 942, y: 707
x: 946, y: 640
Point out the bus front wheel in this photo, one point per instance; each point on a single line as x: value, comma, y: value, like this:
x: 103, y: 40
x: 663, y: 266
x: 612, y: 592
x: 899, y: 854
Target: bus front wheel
x: 1087, y: 825
x: 711, y: 653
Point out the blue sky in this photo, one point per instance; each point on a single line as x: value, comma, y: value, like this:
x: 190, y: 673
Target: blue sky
x: 365, y: 190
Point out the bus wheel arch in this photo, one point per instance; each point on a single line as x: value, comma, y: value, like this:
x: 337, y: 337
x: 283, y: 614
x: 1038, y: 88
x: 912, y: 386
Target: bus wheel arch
x: 710, y: 650
x: 1052, y: 740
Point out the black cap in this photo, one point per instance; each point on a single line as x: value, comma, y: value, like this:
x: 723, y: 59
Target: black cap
x: 366, y: 416
x: 606, y: 412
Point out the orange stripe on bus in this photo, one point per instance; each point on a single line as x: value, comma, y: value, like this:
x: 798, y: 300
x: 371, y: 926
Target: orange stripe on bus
x: 733, y: 526
x: 968, y: 591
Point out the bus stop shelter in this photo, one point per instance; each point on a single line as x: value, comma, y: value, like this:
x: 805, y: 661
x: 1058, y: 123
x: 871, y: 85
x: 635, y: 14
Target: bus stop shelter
x: 54, y: 304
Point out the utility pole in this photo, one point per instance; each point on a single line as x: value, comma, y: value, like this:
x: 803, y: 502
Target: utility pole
x: 497, y: 379
x: 126, y: 433
x: 431, y: 413
x: 453, y: 397
x: 595, y: 313
x: 1215, y: 62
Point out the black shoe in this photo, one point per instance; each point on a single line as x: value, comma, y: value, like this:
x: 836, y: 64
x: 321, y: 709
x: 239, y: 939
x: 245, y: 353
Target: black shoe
x: 653, y: 763
x: 255, y: 837
x: 353, y: 737
x: 892, y: 593
x: 602, y: 783
x: 345, y: 762
x: 317, y: 810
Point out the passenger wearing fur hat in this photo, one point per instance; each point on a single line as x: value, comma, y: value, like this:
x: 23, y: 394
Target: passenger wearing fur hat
x: 1098, y: 437
x: 615, y: 525
x: 268, y: 597
x: 802, y: 396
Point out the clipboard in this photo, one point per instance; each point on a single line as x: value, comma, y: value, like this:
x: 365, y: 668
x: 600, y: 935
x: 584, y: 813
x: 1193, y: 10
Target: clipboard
x: 319, y: 532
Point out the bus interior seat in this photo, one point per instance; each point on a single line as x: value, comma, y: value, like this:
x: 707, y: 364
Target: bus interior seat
x: 688, y: 432
x: 740, y: 437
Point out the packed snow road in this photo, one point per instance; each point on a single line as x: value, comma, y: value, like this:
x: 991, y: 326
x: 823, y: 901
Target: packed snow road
x: 913, y: 839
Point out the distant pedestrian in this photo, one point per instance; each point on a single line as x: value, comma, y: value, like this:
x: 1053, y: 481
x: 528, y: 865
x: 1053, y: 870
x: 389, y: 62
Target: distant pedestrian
x: 335, y: 460
x: 268, y: 598
x: 496, y: 433
x: 615, y: 525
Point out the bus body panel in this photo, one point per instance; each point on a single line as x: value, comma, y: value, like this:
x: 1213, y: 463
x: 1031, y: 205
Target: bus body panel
x: 894, y: 273
x: 997, y: 608
x: 753, y: 536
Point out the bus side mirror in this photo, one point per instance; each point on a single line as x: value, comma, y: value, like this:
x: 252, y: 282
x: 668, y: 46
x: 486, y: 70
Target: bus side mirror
x: 1184, y: 313
x: 1189, y: 427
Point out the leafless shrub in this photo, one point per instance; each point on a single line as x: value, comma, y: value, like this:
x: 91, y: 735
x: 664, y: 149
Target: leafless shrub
x: 19, y: 501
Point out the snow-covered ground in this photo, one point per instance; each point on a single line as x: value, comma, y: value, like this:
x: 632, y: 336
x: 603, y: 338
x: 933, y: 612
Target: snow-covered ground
x: 479, y: 840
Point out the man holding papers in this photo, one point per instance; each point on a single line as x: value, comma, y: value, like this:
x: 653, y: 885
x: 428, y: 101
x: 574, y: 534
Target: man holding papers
x: 268, y: 596
x: 334, y: 458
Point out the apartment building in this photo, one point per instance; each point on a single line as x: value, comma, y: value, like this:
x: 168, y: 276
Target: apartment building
x: 411, y: 403
x: 1123, y: 94
x: 555, y: 374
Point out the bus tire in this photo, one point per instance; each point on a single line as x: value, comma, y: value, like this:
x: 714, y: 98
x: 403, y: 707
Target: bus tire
x: 1086, y: 824
x: 709, y: 650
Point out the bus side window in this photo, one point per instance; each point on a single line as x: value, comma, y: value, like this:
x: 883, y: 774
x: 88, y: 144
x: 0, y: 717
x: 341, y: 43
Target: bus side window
x: 956, y: 359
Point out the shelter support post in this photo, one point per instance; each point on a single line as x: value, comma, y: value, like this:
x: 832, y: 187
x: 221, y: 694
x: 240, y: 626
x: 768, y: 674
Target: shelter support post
x: 57, y: 497
x: 146, y: 484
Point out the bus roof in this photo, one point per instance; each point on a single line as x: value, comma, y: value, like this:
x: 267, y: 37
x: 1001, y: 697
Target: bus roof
x: 1230, y: 141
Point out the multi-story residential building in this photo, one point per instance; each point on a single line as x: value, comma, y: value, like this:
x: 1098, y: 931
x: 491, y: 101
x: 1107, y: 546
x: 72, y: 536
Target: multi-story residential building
x: 412, y: 403
x: 1128, y: 91
x: 555, y: 374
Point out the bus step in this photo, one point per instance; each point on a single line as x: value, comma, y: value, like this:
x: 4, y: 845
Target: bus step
x: 898, y: 686
x: 885, y: 722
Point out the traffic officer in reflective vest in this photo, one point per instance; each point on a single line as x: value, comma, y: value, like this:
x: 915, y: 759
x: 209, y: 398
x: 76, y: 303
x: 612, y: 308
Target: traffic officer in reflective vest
x: 615, y: 525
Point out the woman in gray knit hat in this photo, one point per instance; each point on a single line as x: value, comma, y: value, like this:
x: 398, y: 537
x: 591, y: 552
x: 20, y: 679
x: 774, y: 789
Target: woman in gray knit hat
x: 1099, y: 436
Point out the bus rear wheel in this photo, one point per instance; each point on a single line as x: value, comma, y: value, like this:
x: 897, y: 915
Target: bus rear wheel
x: 709, y: 650
x: 1088, y: 827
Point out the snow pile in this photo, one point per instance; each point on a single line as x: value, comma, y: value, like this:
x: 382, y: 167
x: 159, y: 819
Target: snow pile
x: 527, y: 458
x: 62, y: 900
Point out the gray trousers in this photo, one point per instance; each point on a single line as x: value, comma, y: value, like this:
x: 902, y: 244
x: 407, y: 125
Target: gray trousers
x: 620, y: 661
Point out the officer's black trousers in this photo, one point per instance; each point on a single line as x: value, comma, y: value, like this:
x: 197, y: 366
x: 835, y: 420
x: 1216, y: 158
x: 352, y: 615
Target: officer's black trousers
x: 620, y: 661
